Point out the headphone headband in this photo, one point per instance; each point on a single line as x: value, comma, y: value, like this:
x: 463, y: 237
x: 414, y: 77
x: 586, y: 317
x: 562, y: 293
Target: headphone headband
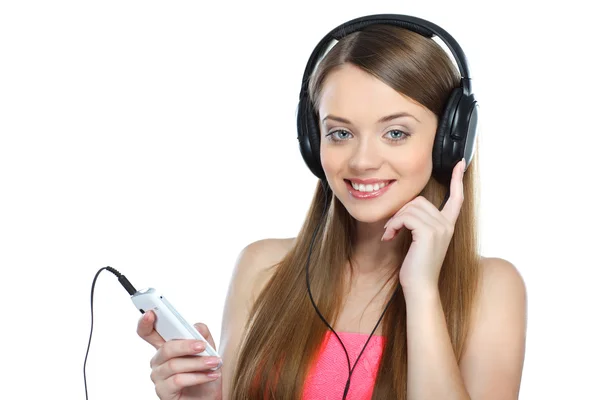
x: 418, y: 25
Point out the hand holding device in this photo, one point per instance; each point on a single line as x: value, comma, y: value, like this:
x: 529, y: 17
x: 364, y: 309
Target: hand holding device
x: 170, y: 324
x: 175, y: 374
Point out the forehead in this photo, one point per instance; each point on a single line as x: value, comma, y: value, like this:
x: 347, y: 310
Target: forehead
x: 357, y: 94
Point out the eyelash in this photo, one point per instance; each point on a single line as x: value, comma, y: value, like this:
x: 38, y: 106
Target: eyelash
x: 332, y: 138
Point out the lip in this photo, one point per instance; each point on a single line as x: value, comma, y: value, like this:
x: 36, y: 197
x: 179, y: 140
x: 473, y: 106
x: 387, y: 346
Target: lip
x: 369, y: 181
x: 368, y: 195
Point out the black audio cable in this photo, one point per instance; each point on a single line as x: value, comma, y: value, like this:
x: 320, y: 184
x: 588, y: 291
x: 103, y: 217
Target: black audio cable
x: 325, y: 187
x: 130, y: 289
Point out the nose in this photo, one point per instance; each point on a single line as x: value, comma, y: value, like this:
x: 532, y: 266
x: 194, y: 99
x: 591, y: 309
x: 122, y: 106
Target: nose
x: 365, y: 156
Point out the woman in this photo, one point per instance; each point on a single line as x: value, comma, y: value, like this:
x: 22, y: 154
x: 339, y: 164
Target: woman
x: 400, y: 303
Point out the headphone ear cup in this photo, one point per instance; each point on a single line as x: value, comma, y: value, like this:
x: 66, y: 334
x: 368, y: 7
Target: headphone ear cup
x: 309, y: 137
x: 442, y: 146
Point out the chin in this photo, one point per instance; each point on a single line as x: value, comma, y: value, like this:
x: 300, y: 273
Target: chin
x: 370, y: 211
x: 368, y: 215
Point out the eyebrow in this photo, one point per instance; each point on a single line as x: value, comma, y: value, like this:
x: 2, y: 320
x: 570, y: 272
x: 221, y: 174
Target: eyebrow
x: 387, y: 118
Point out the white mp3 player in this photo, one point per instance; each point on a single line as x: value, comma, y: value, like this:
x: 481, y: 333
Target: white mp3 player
x: 169, y: 323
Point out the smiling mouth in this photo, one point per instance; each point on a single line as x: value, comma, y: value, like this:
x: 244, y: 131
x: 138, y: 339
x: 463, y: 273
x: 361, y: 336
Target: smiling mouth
x: 370, y: 187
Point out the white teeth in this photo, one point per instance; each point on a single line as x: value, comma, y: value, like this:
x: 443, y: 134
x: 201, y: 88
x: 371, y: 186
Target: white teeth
x: 368, y: 188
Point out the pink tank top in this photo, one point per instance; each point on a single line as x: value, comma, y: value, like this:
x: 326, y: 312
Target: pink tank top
x: 327, y: 378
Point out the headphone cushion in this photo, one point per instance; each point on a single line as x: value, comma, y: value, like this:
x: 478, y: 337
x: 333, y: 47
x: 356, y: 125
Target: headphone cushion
x: 309, y: 138
x: 443, y: 132
x: 314, y: 137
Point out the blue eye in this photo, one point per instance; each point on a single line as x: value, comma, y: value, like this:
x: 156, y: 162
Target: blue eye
x: 397, y: 135
x: 338, y: 135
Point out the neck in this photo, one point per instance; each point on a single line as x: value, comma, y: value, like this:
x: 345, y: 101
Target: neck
x: 372, y: 258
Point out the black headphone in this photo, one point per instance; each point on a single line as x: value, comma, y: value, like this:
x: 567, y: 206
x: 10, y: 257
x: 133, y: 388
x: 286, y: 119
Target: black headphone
x: 457, y: 127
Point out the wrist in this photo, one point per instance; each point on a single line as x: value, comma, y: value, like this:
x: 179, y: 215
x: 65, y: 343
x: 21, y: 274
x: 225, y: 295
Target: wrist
x: 425, y: 291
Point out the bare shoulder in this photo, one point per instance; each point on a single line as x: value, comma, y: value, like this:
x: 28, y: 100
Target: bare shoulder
x: 500, y: 271
x: 268, y: 251
x: 501, y: 281
x: 492, y: 363
x: 255, y: 263
x: 502, y: 288
x: 252, y: 270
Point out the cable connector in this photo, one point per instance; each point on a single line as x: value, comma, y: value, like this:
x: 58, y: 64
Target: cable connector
x: 123, y: 280
x: 130, y: 289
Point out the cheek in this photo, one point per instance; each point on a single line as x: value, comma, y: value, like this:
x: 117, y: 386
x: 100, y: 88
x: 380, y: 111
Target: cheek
x: 330, y: 160
x: 424, y: 165
x: 417, y: 164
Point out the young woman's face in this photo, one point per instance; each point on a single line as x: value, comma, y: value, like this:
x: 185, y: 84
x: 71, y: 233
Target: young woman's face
x: 376, y: 144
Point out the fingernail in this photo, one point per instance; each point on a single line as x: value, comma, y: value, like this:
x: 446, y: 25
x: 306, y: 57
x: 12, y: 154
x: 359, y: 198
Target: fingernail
x: 464, y: 167
x: 213, y: 375
x: 213, y: 362
x: 146, y: 316
x: 198, y: 346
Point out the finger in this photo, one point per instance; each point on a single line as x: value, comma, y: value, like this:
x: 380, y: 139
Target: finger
x: 431, y: 219
x: 452, y: 208
x: 176, y: 383
x: 205, y: 332
x: 409, y: 221
x: 177, y: 348
x: 398, y: 213
x: 422, y: 204
x: 184, y: 364
x: 145, y: 329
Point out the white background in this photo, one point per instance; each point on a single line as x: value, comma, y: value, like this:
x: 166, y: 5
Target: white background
x: 160, y: 138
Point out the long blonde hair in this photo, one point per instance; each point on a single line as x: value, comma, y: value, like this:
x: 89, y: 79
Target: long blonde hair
x: 284, y: 333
